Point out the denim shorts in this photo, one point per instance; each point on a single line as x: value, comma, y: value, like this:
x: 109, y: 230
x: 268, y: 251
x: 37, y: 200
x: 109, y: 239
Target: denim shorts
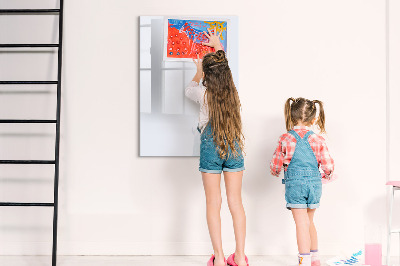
x: 303, y: 193
x: 210, y: 160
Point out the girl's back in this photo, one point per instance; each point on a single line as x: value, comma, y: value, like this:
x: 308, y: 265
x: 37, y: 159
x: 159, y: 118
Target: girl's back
x: 287, y: 146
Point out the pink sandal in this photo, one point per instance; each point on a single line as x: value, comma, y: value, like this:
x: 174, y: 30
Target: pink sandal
x: 231, y: 260
x: 211, y: 261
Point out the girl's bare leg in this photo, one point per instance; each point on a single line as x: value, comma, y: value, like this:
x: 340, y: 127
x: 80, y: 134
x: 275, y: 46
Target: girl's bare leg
x: 302, y: 221
x: 313, y: 230
x: 212, y: 188
x: 233, y: 183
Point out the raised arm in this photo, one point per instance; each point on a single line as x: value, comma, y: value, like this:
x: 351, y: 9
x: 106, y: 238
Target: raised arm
x: 199, y: 66
x: 213, y: 39
x: 194, y: 91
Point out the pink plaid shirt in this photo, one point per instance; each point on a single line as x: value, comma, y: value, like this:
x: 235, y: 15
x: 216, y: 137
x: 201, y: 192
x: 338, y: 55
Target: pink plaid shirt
x: 287, y: 144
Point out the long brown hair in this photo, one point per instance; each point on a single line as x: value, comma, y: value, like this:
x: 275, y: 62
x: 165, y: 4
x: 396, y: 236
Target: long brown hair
x: 223, y: 104
x: 303, y: 110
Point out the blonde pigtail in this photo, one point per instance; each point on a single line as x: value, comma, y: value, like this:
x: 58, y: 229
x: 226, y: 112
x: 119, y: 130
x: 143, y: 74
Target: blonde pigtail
x: 321, y: 116
x: 288, y: 114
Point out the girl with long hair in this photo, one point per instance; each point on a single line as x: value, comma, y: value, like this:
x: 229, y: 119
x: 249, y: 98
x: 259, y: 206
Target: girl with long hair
x: 221, y: 147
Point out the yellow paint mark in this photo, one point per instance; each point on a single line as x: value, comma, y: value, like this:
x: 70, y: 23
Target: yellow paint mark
x: 219, y: 26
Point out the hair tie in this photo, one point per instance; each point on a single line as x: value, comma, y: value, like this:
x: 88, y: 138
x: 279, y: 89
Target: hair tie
x: 218, y: 64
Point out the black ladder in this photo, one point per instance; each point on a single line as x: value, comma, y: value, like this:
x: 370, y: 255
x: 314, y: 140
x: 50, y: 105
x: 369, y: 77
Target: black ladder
x: 57, y: 82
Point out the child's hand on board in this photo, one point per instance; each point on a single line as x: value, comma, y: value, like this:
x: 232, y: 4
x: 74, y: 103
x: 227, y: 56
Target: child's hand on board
x: 199, y: 67
x: 213, y: 39
x: 198, y: 64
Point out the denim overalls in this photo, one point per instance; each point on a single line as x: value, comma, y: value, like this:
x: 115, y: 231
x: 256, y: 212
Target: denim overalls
x: 302, y: 181
x: 211, y: 162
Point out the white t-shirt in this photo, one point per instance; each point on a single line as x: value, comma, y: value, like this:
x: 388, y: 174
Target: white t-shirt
x: 196, y: 92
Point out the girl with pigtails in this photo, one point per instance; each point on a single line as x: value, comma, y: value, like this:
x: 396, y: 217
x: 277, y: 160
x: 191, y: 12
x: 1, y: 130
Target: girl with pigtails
x: 302, y: 154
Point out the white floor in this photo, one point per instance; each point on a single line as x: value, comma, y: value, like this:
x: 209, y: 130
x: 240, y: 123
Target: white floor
x: 143, y: 260
x: 135, y: 260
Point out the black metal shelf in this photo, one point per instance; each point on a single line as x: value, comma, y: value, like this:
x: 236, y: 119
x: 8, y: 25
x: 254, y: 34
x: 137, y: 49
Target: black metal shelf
x: 29, y: 11
x: 28, y: 45
x: 27, y: 161
x: 27, y: 121
x: 56, y: 161
x: 28, y: 204
x: 29, y: 82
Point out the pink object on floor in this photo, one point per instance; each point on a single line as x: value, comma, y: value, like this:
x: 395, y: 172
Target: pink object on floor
x: 393, y: 183
x: 231, y: 260
x: 211, y: 261
x: 326, y: 181
x: 373, y: 254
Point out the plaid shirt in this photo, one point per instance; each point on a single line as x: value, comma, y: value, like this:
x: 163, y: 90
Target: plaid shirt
x: 287, y: 144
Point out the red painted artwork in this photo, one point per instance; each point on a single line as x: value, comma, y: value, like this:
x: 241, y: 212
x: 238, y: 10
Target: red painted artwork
x: 185, y: 37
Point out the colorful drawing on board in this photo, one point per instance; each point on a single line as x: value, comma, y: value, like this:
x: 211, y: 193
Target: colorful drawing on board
x: 185, y: 37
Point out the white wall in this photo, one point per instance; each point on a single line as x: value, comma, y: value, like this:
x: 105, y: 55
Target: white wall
x: 394, y: 109
x: 114, y: 202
